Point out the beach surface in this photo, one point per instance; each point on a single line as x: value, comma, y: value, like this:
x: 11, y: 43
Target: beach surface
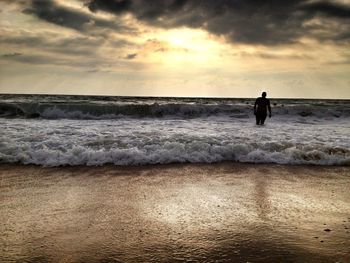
x: 227, y: 212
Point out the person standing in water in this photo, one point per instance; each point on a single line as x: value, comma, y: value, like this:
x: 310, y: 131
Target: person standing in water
x: 262, y: 104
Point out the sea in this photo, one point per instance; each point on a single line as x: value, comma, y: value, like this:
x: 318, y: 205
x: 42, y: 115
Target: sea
x: 57, y: 130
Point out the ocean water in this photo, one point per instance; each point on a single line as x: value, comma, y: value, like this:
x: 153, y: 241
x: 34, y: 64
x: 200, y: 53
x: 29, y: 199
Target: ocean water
x: 91, y: 130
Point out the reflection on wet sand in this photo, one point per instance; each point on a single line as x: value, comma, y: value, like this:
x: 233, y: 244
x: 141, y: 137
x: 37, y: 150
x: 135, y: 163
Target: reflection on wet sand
x: 200, y: 213
x: 261, y: 196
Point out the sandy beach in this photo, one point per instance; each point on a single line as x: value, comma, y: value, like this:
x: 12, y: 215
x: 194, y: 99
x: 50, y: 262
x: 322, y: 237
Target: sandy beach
x: 158, y: 131
x: 228, y: 212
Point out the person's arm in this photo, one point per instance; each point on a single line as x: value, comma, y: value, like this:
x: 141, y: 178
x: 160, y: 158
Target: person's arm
x: 256, y: 102
x: 269, y: 108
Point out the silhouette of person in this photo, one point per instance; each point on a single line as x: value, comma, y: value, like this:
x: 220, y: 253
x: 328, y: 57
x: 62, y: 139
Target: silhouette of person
x: 262, y: 104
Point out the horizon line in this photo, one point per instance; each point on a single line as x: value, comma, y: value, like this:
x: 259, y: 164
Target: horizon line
x: 167, y: 97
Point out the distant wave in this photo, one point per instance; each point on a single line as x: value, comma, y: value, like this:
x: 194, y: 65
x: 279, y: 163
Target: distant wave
x: 113, y: 111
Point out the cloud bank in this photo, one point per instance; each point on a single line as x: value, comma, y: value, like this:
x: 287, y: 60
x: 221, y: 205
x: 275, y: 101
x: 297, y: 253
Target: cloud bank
x: 269, y: 22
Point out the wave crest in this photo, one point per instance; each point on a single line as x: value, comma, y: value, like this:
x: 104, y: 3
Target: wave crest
x: 114, y: 111
x: 172, y: 152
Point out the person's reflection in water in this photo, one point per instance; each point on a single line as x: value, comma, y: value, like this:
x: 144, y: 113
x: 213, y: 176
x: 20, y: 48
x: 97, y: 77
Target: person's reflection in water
x: 262, y: 104
x: 262, y: 198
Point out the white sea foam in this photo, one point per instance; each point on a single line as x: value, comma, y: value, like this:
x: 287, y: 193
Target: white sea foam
x: 77, y: 130
x: 135, y: 141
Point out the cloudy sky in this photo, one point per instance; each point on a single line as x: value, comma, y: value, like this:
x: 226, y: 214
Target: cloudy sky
x: 226, y: 48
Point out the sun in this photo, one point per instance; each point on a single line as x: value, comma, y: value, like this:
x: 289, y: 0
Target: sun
x: 185, y: 45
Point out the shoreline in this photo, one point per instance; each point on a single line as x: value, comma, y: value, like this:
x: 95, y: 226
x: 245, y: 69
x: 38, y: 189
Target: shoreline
x: 174, y: 164
x: 219, y: 212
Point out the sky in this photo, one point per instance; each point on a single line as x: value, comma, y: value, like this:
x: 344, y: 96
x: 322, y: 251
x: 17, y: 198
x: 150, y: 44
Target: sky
x: 196, y: 48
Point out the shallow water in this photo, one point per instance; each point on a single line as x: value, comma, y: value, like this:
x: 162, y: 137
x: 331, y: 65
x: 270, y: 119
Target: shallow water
x: 175, y: 213
x: 81, y: 130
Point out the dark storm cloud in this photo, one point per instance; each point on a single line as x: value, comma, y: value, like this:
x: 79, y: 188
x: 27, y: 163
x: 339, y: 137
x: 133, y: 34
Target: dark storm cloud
x: 53, y: 12
x: 111, y: 6
x: 131, y: 56
x: 329, y: 9
x: 266, y: 22
x: 269, y: 22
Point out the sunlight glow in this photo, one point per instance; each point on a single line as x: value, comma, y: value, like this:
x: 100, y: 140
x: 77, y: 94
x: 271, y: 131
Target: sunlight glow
x: 185, y: 45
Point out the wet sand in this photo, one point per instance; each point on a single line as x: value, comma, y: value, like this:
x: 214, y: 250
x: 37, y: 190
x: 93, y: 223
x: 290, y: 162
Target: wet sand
x: 175, y: 213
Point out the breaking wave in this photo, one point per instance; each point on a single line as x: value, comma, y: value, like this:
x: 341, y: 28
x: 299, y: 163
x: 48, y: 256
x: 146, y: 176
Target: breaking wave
x: 78, y: 130
x: 176, y: 153
x: 181, y: 149
x: 114, y: 111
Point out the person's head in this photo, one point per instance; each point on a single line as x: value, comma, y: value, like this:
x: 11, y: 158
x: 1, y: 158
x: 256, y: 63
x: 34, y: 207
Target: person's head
x: 263, y: 94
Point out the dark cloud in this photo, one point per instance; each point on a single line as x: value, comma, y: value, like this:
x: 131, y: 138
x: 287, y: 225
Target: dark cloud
x: 53, y: 12
x: 86, y: 64
x: 131, y: 56
x: 92, y: 71
x: 44, y: 60
x: 268, y: 55
x: 96, y: 70
x: 121, y: 43
x: 329, y: 9
x: 9, y: 55
x: 73, y: 45
x: 111, y: 6
x: 51, y: 60
x: 76, y: 46
x: 268, y: 22
x: 15, y: 3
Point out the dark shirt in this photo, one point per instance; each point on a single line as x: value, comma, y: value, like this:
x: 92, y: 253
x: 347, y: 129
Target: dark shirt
x: 263, y: 105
